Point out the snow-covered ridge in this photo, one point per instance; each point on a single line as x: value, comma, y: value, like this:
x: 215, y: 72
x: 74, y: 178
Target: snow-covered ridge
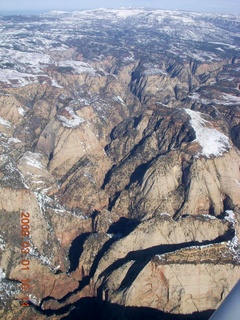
x: 5, y: 123
x: 23, y: 68
x: 29, y: 59
x: 55, y: 12
x: 16, y: 79
x: 226, y: 99
x: 78, y: 66
x: 151, y: 69
x: 13, y: 78
x: 32, y: 159
x: 74, y: 120
x: 212, y: 141
x: 30, y: 49
x: 124, y: 12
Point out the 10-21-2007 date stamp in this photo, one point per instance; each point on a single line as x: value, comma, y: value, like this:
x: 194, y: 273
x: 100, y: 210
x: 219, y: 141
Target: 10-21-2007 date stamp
x: 25, y: 262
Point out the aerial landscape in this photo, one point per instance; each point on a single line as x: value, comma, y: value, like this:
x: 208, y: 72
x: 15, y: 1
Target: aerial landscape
x: 119, y: 163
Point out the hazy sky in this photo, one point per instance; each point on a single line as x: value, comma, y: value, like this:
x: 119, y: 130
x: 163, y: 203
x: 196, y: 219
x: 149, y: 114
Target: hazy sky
x: 34, y: 6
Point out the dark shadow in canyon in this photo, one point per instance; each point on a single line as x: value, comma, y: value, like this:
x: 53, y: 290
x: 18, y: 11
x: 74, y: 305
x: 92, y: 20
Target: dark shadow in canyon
x: 123, y: 226
x: 75, y: 251
x: 93, y: 309
x: 85, y: 308
x: 142, y: 257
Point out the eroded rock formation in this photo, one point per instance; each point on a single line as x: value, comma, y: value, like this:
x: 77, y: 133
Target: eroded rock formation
x: 125, y: 153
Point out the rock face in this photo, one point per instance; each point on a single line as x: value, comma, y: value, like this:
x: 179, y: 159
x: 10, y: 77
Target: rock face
x: 190, y: 263
x: 122, y: 144
x: 174, y: 169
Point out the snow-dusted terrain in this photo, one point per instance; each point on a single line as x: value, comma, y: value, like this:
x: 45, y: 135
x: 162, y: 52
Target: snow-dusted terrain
x: 29, y: 46
x: 112, y: 121
x: 212, y: 141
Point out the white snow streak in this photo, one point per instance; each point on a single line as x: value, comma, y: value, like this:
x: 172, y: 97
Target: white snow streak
x: 21, y: 111
x: 32, y: 159
x: 5, y: 123
x: 2, y: 274
x: 212, y: 141
x: 17, y: 79
x: 230, y: 216
x: 78, y: 66
x: 74, y: 122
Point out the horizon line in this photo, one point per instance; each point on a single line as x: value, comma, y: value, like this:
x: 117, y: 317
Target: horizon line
x: 42, y: 11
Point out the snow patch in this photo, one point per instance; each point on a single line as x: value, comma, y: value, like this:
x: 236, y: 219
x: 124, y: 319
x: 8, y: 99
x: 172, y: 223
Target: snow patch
x: 25, y: 60
x: 14, y: 140
x: 160, y: 257
x: 119, y: 99
x: 2, y: 274
x: 238, y: 183
x: 2, y: 243
x: 154, y: 71
x: 74, y: 122
x: 225, y: 99
x: 5, y: 123
x: 32, y: 159
x: 17, y: 79
x: 54, y: 12
x: 233, y: 244
x: 44, y: 260
x: 164, y: 214
x: 79, y: 215
x: 78, y: 66
x: 125, y: 13
x: 42, y: 200
x: 21, y: 111
x: 55, y: 84
x: 229, y: 98
x: 7, y: 289
x: 208, y: 216
x: 230, y: 216
x: 34, y: 299
x: 212, y: 141
x: 235, y: 248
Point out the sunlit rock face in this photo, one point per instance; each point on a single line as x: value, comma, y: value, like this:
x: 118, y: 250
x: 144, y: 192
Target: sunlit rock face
x: 119, y: 135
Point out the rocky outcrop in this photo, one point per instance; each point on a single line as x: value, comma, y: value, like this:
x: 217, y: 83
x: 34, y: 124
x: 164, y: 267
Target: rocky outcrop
x: 158, y: 263
x: 180, y: 287
x: 174, y: 169
x: 163, y: 231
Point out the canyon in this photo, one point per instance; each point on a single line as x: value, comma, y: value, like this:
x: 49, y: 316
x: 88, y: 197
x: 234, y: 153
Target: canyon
x: 120, y: 136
